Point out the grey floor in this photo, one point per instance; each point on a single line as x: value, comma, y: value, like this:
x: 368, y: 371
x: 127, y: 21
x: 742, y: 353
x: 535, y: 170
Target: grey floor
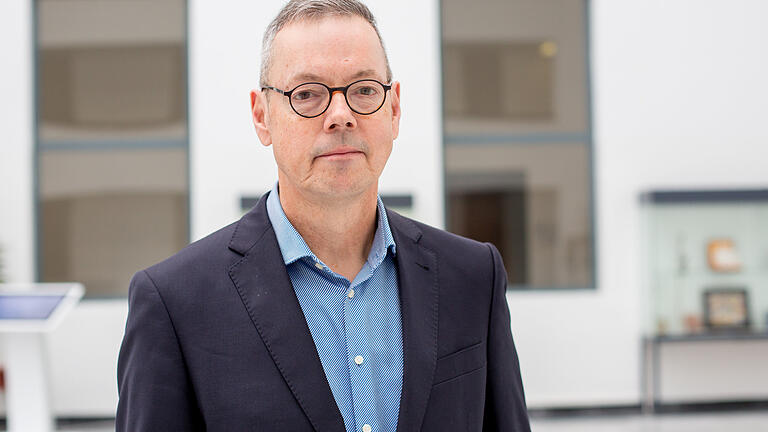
x: 752, y: 421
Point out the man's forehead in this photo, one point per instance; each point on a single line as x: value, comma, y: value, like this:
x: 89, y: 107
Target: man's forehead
x: 329, y: 48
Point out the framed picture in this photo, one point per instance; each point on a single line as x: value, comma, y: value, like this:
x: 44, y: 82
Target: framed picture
x: 726, y: 308
x: 722, y: 256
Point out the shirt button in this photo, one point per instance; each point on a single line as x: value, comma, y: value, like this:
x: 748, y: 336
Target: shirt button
x: 318, y: 265
x: 351, y: 293
x: 367, y: 428
x: 359, y: 361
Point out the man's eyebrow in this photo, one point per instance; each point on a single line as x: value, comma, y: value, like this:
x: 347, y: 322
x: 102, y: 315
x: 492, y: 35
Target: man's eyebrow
x: 305, y: 77
x: 363, y: 74
x: 310, y: 77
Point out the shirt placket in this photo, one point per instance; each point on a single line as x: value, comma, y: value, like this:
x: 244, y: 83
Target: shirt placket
x: 358, y: 359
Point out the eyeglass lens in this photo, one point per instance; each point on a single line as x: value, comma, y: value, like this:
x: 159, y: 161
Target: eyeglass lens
x: 363, y: 97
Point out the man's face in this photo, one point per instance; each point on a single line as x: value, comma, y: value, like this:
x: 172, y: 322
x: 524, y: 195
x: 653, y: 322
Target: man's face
x: 339, y: 153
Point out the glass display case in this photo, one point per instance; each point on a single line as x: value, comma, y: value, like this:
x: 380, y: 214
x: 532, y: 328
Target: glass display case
x: 707, y: 263
x: 706, y: 294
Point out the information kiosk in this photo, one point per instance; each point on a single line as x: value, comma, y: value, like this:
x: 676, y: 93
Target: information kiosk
x: 27, y: 313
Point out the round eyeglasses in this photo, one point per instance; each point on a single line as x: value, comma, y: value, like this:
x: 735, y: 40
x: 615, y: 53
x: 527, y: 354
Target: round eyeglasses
x: 312, y: 99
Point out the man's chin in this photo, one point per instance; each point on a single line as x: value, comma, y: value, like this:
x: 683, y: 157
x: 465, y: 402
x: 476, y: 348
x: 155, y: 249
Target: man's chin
x: 344, y: 190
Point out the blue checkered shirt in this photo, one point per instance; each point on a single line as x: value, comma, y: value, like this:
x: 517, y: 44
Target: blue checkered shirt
x: 355, y: 325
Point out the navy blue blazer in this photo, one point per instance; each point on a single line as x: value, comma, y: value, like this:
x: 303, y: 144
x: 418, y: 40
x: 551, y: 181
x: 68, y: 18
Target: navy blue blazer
x: 216, y: 340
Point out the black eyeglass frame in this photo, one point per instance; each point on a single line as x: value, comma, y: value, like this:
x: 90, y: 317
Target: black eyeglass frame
x: 331, y: 91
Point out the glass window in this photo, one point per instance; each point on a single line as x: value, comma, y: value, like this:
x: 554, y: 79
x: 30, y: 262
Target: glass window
x: 112, y: 148
x: 518, y: 151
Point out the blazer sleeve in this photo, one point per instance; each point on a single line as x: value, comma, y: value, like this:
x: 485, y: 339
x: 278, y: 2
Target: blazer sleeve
x: 154, y: 391
x: 505, y: 408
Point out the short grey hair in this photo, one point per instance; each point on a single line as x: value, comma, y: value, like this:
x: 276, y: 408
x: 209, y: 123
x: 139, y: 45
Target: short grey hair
x: 300, y: 10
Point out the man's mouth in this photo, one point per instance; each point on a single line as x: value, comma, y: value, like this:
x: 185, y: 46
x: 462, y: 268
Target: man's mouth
x: 341, y: 152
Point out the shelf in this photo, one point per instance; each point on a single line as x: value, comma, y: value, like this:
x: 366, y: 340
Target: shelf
x: 712, y: 336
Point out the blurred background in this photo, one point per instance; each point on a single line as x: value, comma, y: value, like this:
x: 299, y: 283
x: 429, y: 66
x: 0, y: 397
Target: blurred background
x: 613, y: 150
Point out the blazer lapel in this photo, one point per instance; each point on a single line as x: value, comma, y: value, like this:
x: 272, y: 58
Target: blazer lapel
x: 417, y: 270
x: 265, y: 288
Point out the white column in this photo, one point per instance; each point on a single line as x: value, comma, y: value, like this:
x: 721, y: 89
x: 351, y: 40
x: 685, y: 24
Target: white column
x: 16, y: 141
x: 17, y: 212
x: 27, y: 400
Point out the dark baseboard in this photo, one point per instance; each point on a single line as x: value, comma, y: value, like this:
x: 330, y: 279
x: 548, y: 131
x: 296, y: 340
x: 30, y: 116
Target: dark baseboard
x: 78, y: 420
x: 585, y: 411
x: 63, y: 422
x: 678, y: 408
x: 746, y: 405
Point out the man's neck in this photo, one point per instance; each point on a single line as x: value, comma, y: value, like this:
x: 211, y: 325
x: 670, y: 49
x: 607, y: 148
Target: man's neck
x: 339, y: 232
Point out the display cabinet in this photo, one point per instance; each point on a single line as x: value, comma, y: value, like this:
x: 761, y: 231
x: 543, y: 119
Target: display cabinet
x: 706, y: 295
x: 707, y: 261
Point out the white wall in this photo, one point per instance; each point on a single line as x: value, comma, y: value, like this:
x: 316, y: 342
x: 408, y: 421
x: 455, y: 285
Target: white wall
x: 679, y: 102
x: 83, y: 359
x: 228, y: 161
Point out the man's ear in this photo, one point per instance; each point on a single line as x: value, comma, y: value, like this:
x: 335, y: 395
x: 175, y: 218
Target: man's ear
x: 395, y: 95
x: 259, y: 115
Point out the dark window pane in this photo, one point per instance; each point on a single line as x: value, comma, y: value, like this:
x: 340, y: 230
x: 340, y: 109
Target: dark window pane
x: 499, y: 80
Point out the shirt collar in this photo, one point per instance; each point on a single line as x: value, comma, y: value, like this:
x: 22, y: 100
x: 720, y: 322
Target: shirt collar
x: 293, y: 247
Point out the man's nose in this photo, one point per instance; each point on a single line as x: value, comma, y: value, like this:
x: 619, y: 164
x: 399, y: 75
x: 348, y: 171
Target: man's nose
x: 339, y: 115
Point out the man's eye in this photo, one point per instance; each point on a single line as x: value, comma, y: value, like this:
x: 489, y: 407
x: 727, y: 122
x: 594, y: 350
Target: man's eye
x: 366, y: 91
x: 304, y: 95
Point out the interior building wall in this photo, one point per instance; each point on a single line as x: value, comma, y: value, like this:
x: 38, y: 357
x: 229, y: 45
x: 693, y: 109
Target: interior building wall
x: 679, y: 99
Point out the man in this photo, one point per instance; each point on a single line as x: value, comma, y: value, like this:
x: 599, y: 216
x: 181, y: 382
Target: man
x: 320, y: 310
